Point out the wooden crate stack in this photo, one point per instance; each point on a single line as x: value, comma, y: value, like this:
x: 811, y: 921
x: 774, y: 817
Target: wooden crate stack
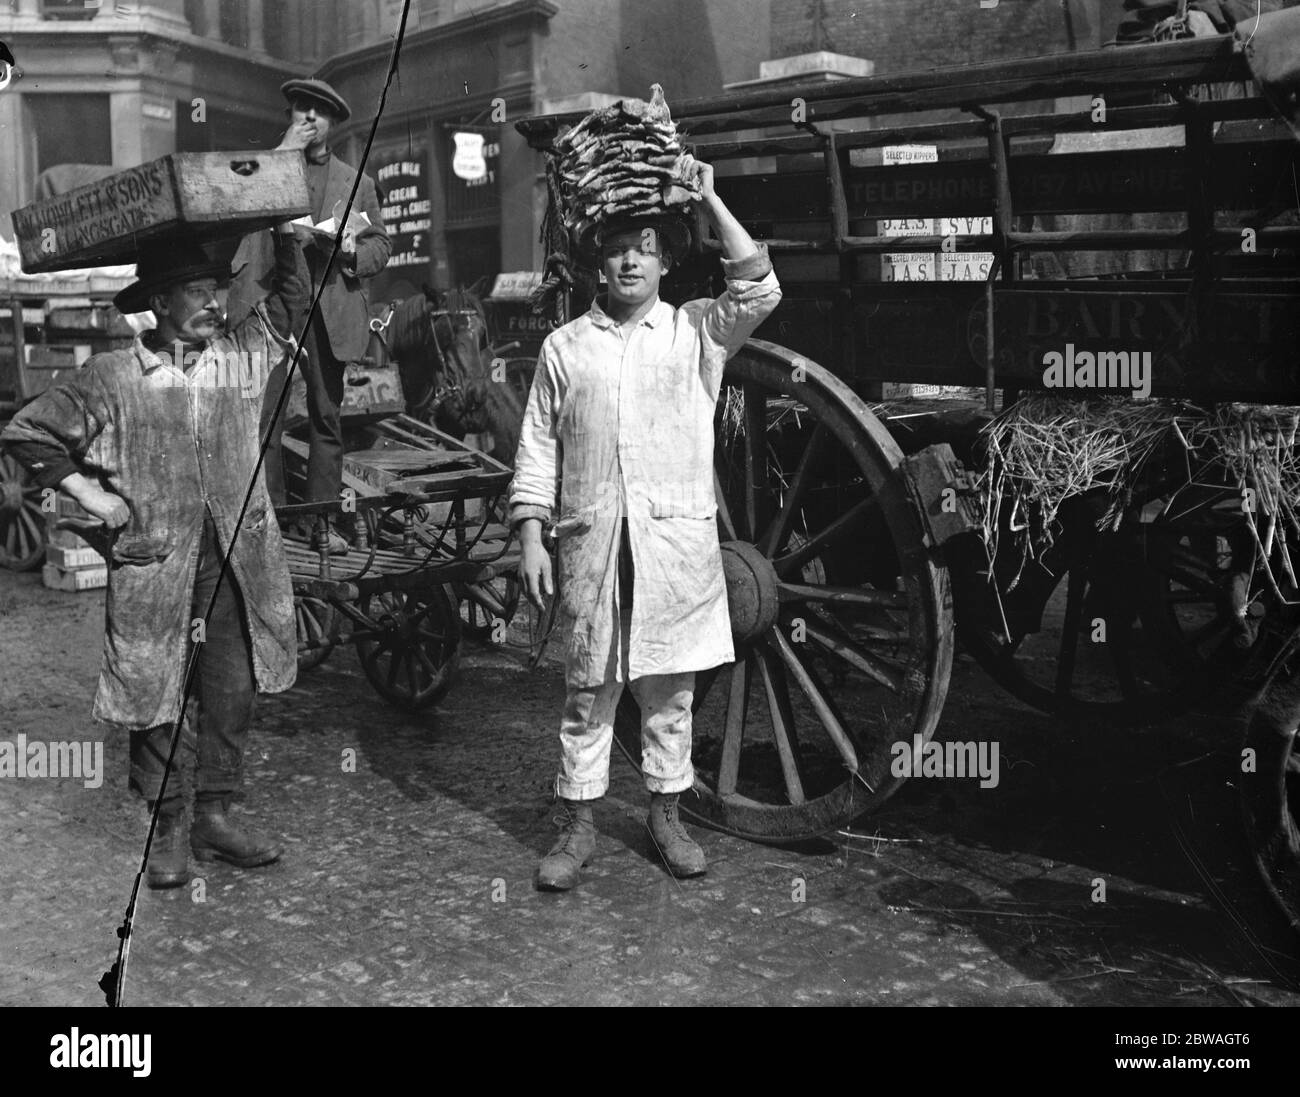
x: 70, y: 563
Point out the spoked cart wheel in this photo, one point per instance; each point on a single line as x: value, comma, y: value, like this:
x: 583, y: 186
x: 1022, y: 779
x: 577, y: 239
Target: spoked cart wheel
x: 1132, y: 626
x: 485, y: 604
x: 492, y: 604
x: 841, y: 622
x: 1270, y: 793
x: 1063, y: 633
x: 409, y: 644
x: 318, y: 624
x: 22, y: 526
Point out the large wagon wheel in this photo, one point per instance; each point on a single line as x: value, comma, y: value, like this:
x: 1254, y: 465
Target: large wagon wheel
x: 317, y: 623
x: 22, y: 527
x: 1063, y: 632
x: 1206, y: 593
x: 841, y: 622
x: 1270, y: 788
x: 1132, y: 626
x: 410, y: 646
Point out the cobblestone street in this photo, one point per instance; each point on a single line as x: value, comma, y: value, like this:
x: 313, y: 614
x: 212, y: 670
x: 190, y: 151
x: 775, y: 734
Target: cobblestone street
x: 409, y: 881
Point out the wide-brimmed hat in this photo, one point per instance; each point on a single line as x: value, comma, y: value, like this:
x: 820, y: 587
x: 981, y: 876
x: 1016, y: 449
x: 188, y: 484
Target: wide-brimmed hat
x: 674, y: 234
x: 320, y: 91
x: 161, y: 264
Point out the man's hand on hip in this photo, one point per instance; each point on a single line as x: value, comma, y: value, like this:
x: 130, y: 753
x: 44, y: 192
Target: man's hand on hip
x: 108, y: 508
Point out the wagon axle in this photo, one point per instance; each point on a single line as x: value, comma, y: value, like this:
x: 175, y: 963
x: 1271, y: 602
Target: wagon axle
x: 752, y: 591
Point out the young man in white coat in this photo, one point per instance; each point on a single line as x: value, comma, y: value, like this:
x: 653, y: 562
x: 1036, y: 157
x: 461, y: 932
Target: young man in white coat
x: 624, y: 399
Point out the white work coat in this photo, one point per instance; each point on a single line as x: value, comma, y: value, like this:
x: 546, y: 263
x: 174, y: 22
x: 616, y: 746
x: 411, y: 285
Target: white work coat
x: 624, y: 419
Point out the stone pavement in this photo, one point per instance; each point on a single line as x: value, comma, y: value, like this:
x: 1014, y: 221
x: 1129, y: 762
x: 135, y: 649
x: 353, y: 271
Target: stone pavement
x: 407, y: 878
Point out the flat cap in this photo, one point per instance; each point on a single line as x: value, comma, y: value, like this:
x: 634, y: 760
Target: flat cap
x: 318, y: 90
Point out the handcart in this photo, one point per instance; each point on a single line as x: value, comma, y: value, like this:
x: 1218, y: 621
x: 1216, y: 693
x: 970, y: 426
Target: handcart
x: 429, y: 534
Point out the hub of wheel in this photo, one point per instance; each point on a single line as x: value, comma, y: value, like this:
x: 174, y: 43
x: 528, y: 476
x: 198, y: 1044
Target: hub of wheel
x: 752, y: 600
x: 11, y: 496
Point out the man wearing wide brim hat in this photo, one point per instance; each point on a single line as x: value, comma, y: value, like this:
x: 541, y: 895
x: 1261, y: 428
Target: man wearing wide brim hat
x: 159, y: 443
x: 620, y: 416
x: 163, y: 265
x: 340, y: 332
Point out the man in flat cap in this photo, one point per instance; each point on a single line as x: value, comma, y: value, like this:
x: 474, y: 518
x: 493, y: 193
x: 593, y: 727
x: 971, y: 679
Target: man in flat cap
x: 340, y: 332
x: 159, y: 442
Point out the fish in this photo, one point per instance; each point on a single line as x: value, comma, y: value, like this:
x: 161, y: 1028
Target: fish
x: 624, y: 159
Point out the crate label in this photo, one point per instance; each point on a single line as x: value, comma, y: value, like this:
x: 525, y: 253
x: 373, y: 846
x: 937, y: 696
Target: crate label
x: 892, y: 155
x: 129, y: 201
x: 906, y: 226
x: 912, y: 266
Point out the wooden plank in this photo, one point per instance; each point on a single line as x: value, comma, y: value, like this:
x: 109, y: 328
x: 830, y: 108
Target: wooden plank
x: 944, y: 493
x: 1243, y: 348
x: 1020, y: 127
x: 207, y: 195
x: 381, y: 468
x: 1241, y: 176
x: 297, y: 453
x: 1190, y: 61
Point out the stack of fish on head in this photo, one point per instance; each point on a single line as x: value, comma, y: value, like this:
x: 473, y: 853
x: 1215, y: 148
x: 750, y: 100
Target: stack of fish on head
x: 621, y: 161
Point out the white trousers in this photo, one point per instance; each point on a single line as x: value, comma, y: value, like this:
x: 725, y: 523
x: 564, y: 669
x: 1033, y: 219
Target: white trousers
x: 587, y: 733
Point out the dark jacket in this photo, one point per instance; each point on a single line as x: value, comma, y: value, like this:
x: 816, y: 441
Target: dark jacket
x: 344, y: 304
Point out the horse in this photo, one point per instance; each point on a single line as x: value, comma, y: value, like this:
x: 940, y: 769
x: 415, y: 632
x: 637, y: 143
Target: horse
x: 449, y: 375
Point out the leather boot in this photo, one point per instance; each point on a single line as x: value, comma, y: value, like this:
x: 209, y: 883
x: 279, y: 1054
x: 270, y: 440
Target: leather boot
x: 168, y: 865
x: 216, y: 836
x: 677, y: 848
x: 560, y: 868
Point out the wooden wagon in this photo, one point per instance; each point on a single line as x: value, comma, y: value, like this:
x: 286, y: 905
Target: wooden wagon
x: 846, y: 519
x: 423, y: 571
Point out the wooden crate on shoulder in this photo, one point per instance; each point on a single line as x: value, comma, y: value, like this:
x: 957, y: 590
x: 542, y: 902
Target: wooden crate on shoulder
x: 202, y: 195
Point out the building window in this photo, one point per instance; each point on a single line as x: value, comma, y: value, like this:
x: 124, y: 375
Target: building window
x: 68, y: 9
x: 197, y: 16
x: 274, y: 32
x: 234, y: 22
x: 70, y: 129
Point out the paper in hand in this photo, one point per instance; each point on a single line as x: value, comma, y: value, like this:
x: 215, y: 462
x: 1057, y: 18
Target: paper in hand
x: 330, y: 226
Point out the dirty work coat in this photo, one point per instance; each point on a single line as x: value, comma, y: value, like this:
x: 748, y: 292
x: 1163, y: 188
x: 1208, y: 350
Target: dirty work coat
x: 607, y: 402
x: 167, y: 443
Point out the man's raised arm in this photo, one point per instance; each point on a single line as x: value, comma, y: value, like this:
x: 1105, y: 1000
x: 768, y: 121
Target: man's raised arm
x: 752, y: 289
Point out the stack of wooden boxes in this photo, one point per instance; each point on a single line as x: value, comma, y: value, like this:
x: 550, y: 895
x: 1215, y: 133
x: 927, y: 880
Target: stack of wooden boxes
x: 70, y: 563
